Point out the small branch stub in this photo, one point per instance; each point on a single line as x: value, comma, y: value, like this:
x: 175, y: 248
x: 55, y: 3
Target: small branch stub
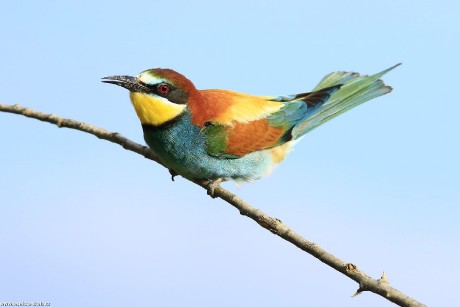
x: 351, y: 267
x: 383, y: 279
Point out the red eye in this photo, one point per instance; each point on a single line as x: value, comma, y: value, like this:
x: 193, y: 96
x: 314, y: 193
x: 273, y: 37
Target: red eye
x: 163, y: 88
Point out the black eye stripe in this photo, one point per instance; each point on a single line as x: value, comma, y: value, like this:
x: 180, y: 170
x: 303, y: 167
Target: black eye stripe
x: 154, y: 88
x: 175, y: 95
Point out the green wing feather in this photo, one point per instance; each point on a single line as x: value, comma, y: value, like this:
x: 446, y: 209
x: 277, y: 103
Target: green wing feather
x: 356, y: 89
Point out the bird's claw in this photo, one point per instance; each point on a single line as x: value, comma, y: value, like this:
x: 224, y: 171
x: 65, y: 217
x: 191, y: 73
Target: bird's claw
x: 212, y: 186
x: 173, y: 174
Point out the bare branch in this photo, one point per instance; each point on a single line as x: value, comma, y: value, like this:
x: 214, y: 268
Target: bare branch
x: 366, y: 283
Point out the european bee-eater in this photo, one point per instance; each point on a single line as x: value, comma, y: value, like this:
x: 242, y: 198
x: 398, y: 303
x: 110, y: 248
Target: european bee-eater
x: 220, y: 134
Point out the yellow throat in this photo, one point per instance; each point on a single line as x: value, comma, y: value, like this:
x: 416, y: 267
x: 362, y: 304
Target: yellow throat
x: 154, y: 110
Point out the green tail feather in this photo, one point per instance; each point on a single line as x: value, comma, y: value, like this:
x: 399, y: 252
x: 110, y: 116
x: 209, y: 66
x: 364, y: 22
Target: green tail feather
x: 356, y: 90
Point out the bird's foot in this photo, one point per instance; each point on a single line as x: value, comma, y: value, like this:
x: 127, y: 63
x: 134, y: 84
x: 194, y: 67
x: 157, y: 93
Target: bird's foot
x: 173, y: 173
x: 213, y: 185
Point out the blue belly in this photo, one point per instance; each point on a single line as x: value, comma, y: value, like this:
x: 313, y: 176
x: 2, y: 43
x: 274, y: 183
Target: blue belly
x: 182, y: 147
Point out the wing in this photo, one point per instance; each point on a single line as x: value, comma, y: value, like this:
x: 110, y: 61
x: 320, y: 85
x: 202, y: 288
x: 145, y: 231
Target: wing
x: 260, y: 129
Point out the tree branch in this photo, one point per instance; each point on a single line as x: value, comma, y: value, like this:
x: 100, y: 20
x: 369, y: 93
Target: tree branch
x: 366, y: 283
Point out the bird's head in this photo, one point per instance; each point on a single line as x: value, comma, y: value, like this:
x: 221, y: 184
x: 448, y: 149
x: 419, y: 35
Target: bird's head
x: 158, y: 95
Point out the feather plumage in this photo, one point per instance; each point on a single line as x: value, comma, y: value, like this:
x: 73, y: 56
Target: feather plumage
x: 211, y: 134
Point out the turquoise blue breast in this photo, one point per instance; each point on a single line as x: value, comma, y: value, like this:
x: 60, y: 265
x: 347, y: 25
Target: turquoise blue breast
x: 182, y: 147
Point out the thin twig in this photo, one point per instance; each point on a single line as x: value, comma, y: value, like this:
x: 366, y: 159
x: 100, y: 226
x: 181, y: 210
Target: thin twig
x: 366, y: 283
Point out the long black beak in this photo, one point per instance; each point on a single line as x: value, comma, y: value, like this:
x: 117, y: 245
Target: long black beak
x: 128, y: 82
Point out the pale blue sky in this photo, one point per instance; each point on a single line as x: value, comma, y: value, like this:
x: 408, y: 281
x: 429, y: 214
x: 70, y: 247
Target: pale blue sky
x: 86, y: 223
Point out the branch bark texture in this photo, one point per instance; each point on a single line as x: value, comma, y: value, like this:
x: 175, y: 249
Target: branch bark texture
x: 379, y: 286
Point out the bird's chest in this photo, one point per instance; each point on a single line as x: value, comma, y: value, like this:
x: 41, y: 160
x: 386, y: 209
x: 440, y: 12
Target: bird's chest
x: 182, y: 147
x: 178, y: 142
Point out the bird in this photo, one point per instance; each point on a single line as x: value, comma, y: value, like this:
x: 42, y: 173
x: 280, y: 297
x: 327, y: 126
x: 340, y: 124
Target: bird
x: 215, y: 135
